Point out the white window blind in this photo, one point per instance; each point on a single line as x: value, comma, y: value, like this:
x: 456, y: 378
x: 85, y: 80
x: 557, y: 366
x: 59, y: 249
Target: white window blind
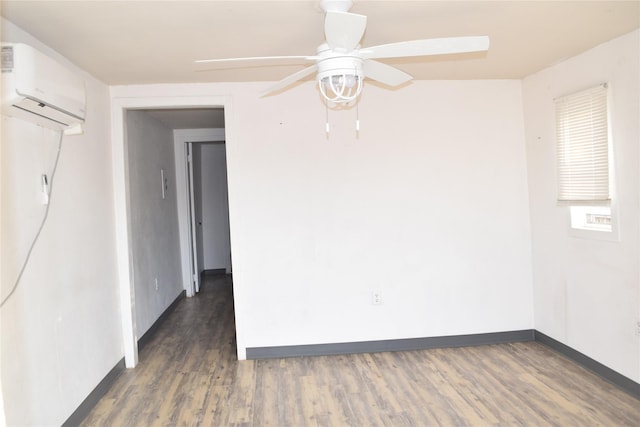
x: 583, y: 147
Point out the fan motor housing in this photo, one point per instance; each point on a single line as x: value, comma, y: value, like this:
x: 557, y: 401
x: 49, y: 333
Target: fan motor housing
x: 336, y: 5
x: 338, y: 64
x: 341, y: 65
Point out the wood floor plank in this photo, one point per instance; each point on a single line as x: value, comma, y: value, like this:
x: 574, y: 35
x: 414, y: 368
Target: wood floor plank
x: 413, y: 395
x: 511, y: 392
x: 332, y: 393
x: 188, y: 375
x: 241, y: 397
x: 456, y: 387
x: 490, y: 394
x: 217, y: 409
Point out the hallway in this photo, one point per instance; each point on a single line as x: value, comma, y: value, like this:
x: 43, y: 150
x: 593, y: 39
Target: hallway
x: 188, y: 374
x: 189, y: 360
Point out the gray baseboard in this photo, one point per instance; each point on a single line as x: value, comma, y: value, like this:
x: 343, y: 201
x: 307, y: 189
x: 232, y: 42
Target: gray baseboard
x: 94, y: 397
x: 389, y: 345
x: 101, y: 389
x: 619, y: 380
x: 599, y: 369
x: 213, y: 272
x: 146, y: 337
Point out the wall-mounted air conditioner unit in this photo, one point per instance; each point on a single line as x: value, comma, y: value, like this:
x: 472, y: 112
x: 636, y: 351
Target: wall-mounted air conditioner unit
x: 38, y: 89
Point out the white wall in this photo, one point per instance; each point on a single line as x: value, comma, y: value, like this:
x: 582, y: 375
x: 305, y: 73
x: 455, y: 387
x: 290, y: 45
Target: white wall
x: 153, y: 220
x: 587, y: 292
x: 427, y: 205
x: 61, y: 330
x: 215, y: 207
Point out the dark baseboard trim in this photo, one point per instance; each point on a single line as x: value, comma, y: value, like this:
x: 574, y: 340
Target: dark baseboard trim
x: 144, y: 339
x: 94, y: 397
x: 619, y: 380
x: 389, y: 345
x: 214, y: 272
x: 101, y: 389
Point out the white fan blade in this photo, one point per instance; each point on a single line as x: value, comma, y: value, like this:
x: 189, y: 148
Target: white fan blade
x: 291, y: 79
x: 384, y: 73
x: 427, y: 47
x: 344, y: 30
x: 257, y: 61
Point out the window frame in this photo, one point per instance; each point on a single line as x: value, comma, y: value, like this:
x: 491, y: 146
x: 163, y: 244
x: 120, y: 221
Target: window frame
x: 580, y: 229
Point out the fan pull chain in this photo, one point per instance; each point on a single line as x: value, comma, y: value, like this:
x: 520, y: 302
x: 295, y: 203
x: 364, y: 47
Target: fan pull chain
x: 327, y: 117
x: 357, y: 117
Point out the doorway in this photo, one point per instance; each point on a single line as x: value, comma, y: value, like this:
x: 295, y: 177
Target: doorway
x: 208, y: 206
x: 202, y: 165
x: 123, y: 101
x: 200, y: 222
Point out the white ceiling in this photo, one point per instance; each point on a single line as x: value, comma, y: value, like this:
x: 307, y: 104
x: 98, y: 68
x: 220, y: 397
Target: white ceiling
x: 139, y: 42
x: 145, y: 41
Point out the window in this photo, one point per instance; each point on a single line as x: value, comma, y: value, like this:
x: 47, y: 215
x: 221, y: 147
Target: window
x: 595, y: 218
x: 583, y: 158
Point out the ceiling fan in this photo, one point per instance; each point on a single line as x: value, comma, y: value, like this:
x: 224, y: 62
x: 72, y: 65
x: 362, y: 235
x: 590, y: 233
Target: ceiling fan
x: 342, y: 64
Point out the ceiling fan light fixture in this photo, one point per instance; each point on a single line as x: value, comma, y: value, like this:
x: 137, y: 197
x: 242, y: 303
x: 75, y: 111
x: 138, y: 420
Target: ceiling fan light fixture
x: 342, y: 64
x: 340, y: 78
x: 336, y: 5
x: 340, y: 88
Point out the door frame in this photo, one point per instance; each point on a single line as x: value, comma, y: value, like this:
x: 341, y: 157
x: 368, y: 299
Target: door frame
x: 181, y: 137
x: 122, y: 214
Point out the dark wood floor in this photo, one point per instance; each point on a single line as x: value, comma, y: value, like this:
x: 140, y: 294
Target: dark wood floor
x: 188, y: 375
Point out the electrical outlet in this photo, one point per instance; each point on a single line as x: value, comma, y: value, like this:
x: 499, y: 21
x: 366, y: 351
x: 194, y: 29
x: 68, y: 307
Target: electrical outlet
x: 376, y: 298
x: 156, y: 283
x: 638, y: 328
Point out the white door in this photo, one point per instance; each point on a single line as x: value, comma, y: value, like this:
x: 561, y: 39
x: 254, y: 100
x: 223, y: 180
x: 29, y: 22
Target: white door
x: 193, y: 240
x: 196, y: 167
